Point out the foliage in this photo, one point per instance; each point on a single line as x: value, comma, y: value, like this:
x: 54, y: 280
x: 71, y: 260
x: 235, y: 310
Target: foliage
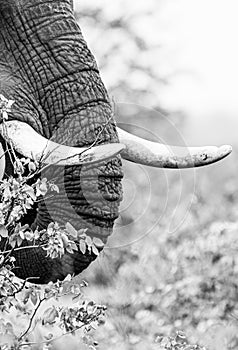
x: 17, y: 197
x: 35, y: 317
x: 43, y: 318
x: 180, y: 342
x: 156, y: 281
x: 186, y: 279
x: 167, y: 281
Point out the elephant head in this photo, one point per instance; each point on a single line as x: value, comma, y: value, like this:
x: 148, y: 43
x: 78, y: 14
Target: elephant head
x: 48, y: 70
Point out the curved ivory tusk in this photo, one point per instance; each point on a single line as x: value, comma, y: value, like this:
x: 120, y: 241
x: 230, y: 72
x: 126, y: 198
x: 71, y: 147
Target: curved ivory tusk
x: 30, y: 144
x: 146, y: 152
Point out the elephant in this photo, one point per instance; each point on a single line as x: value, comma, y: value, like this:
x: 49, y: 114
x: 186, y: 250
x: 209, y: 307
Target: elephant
x: 61, y: 103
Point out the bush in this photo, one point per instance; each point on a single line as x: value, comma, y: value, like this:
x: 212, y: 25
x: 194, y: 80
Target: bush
x: 35, y: 317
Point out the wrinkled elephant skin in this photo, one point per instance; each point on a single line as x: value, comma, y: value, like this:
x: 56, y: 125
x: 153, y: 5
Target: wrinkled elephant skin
x: 47, y: 68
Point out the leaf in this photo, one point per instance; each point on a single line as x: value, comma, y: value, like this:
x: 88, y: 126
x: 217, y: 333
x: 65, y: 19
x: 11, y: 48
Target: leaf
x: 91, y: 307
x: 71, y: 230
x: 74, y: 246
x: 25, y: 160
x: 4, y: 115
x: 95, y: 250
x: 82, y: 232
x: 34, y: 298
x: 77, y: 298
x: 41, y: 187
x: 7, y: 192
x: 22, y: 234
x: 54, y: 188
x: 69, y: 249
x: 82, y: 246
x: 29, y: 235
x: 26, y: 296
x: 12, y: 242
x: 50, y: 315
x: 83, y: 284
x: 3, y: 231
x: 19, y: 241
x: 98, y: 242
x: 75, y: 289
x: 51, y: 225
x: 36, y: 234
x: 88, y: 241
x: 68, y: 278
x: 65, y: 240
x: 30, y: 192
x: 32, y: 166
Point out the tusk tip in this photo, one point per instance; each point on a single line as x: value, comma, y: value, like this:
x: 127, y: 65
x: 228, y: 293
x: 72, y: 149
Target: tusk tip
x: 225, y: 150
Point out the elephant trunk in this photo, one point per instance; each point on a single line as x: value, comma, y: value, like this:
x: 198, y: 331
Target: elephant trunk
x: 52, y: 76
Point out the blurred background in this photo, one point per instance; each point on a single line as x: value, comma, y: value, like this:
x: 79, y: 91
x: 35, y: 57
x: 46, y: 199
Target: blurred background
x: 181, y: 54
x: 172, y: 74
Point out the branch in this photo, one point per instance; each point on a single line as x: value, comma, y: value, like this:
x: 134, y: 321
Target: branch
x: 22, y: 286
x: 95, y: 142
x: 22, y: 248
x: 59, y: 336
x: 31, y: 319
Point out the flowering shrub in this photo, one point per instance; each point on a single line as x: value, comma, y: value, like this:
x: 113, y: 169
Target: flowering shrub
x: 35, y: 317
x: 17, y: 196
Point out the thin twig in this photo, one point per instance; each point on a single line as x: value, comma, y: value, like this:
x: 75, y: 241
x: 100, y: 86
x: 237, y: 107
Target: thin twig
x: 60, y: 336
x: 31, y: 319
x: 21, y: 287
x: 85, y: 150
x: 25, y: 247
x: 3, y: 154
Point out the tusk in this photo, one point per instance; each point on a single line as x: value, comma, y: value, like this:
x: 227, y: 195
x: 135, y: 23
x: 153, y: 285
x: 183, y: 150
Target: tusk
x: 146, y: 152
x: 25, y: 140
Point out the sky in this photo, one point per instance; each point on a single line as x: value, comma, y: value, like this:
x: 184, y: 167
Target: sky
x: 200, y: 57
x: 201, y: 37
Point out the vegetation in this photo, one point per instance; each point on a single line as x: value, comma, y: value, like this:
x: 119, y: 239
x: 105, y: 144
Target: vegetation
x: 169, y: 268
x: 169, y: 281
x: 171, y: 264
x: 35, y: 317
